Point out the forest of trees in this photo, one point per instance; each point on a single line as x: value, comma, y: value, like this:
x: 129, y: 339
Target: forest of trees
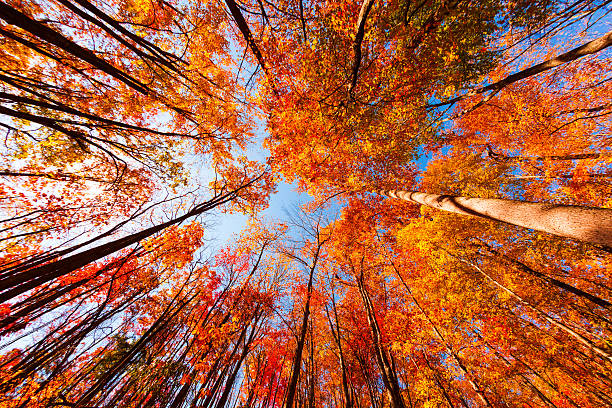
x: 454, y: 249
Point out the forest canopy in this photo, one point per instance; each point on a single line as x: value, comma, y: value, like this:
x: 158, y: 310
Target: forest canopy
x: 448, y: 241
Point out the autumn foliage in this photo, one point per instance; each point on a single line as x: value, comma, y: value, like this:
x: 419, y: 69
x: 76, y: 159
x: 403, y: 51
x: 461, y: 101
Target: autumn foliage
x: 129, y: 128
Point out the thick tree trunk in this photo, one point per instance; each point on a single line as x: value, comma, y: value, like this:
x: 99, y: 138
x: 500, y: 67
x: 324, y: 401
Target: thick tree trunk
x: 589, y: 224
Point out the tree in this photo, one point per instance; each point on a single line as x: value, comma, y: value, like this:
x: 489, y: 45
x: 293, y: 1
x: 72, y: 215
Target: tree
x: 114, y: 291
x: 592, y: 225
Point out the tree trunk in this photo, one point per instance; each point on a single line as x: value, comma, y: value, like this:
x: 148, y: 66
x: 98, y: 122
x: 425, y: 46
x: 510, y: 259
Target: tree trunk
x: 297, y: 360
x: 588, y: 224
x: 551, y: 281
x: 47, y: 34
x: 229, y: 385
x: 366, y: 6
x: 248, y: 37
x: 449, y: 348
x: 553, y: 321
x: 32, y: 273
x: 525, y: 379
x: 335, y: 329
x: 389, y: 376
x: 436, y: 377
x: 519, y: 159
x: 591, y: 47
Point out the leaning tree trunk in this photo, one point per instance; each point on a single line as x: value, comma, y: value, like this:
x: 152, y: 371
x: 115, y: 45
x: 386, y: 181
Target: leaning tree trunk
x: 29, y: 274
x: 589, y: 224
x: 449, y: 348
x: 589, y: 344
x: 592, y: 47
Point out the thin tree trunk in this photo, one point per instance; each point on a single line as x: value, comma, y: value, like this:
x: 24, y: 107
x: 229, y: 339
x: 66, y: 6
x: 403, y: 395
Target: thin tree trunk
x: 438, y: 382
x: 167, y: 316
x: 297, y: 360
x: 248, y: 37
x: 28, y: 275
x: 589, y: 224
x: 62, y: 107
x: 566, y: 157
x: 47, y: 34
x: 554, y: 322
x: 245, y: 350
x: 591, y: 47
x: 152, y: 53
x: 388, y: 374
x: 551, y: 281
x: 335, y: 329
x: 525, y: 378
x: 449, y: 348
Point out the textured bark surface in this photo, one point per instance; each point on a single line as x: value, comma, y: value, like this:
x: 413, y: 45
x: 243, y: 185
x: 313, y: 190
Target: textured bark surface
x: 589, y: 224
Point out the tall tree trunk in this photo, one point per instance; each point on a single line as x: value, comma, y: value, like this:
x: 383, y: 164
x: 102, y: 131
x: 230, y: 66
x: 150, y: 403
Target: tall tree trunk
x: 591, y: 47
x: 525, y: 379
x: 436, y: 377
x: 47, y: 34
x: 366, y: 6
x: 297, y: 359
x: 248, y: 37
x: 383, y: 359
x: 229, y: 384
x: 519, y: 159
x: 30, y: 274
x: 589, y: 224
x: 553, y: 321
x: 449, y: 348
x: 550, y: 281
x: 90, y: 395
x: 335, y: 329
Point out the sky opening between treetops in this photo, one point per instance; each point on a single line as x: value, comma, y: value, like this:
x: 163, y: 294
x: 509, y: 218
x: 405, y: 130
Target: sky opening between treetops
x: 450, y: 163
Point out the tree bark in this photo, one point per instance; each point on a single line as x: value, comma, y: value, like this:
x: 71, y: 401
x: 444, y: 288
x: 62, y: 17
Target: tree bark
x: 449, y: 348
x: 554, y: 322
x: 297, y: 360
x: 388, y: 374
x: 335, y: 329
x: 45, y: 33
x: 591, y: 47
x: 248, y: 37
x: 588, y: 224
x: 566, y: 157
x: 366, y: 6
x: 30, y: 274
x: 551, y: 281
